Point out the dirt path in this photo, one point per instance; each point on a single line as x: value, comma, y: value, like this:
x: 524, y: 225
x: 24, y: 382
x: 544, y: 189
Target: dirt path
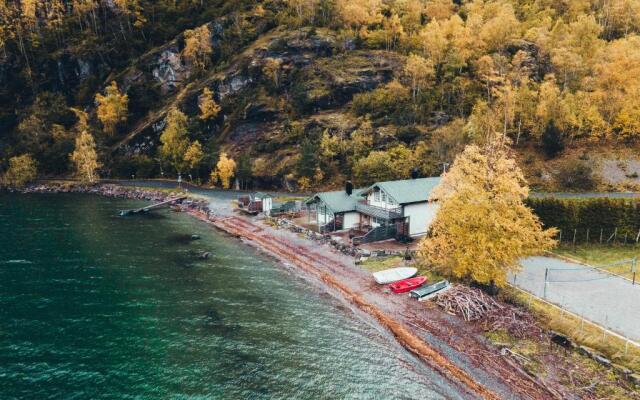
x: 458, y: 352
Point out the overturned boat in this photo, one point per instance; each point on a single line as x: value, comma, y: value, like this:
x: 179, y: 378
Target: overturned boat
x: 394, y: 274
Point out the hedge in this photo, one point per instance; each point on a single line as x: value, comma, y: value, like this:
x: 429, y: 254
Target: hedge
x: 598, y: 215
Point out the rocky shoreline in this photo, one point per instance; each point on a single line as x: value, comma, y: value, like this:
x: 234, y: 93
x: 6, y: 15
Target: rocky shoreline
x: 278, y: 238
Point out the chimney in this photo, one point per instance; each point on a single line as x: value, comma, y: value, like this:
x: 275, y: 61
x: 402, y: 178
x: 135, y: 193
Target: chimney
x: 415, y: 173
x: 348, y: 187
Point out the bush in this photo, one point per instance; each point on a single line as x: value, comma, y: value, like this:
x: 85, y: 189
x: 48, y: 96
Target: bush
x: 22, y: 170
x: 390, y: 102
x: 576, y: 175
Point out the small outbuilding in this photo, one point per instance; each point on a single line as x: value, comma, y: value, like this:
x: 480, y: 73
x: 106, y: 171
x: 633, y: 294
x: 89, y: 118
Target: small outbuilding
x: 256, y: 202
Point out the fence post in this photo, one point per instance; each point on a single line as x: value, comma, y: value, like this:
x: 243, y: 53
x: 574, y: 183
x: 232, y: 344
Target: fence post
x: 625, y: 238
x: 560, y: 240
x: 615, y: 234
x: 546, y: 282
x: 601, y: 232
x: 587, y: 235
x: 574, y: 237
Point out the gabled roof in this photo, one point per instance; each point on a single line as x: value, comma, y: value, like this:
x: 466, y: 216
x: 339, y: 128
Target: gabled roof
x: 407, y: 190
x: 338, y: 201
x: 260, y: 195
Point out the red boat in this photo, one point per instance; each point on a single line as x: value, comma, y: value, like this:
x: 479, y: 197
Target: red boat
x: 407, y: 285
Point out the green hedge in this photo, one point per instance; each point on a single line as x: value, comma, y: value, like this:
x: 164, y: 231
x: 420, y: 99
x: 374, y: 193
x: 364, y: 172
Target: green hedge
x: 597, y: 215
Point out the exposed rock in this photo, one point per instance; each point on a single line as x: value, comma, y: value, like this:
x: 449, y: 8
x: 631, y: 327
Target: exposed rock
x: 170, y: 70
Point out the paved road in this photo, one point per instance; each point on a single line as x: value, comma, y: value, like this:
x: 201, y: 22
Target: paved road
x: 611, y: 301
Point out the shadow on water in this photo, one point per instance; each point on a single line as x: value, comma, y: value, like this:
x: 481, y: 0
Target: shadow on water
x: 182, y: 238
x: 215, y: 324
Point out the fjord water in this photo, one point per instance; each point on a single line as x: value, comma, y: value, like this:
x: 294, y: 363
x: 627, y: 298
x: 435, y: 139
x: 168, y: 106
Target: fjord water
x: 96, y: 306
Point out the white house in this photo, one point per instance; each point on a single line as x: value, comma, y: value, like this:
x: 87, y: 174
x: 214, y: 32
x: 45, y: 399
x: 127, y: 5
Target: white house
x: 403, y: 207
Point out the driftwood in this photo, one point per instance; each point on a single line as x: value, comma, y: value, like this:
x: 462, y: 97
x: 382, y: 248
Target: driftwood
x: 475, y: 305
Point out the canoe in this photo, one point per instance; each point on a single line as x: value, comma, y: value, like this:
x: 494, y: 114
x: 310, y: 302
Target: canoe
x: 407, y: 285
x: 429, y: 289
x: 394, y: 274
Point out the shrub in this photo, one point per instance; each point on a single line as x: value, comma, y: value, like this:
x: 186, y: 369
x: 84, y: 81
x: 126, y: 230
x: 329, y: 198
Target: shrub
x: 576, y: 175
x: 22, y: 170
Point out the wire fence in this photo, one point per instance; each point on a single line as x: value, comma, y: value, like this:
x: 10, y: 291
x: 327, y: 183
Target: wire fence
x: 610, y: 236
x: 580, y: 321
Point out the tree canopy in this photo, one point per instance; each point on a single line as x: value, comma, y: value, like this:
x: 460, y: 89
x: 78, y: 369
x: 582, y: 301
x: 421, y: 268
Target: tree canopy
x: 483, y: 228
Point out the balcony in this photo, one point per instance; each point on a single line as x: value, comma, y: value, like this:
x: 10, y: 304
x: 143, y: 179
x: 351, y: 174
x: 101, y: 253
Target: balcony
x: 378, y: 212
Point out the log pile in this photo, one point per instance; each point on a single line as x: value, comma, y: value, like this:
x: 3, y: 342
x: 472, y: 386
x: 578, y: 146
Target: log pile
x: 475, y: 305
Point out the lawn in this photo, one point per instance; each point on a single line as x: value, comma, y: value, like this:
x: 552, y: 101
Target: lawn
x: 602, y: 255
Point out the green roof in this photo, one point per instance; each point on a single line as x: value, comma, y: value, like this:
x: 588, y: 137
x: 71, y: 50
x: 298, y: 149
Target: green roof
x: 260, y: 195
x: 407, y: 190
x: 403, y: 192
x: 338, y: 201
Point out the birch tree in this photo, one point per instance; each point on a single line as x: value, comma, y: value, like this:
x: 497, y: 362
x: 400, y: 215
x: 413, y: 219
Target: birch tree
x: 483, y: 228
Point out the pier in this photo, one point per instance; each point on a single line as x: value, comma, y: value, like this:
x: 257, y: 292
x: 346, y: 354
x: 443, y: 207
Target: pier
x: 152, y: 207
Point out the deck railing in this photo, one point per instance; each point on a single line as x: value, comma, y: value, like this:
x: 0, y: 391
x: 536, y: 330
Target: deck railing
x: 364, y: 207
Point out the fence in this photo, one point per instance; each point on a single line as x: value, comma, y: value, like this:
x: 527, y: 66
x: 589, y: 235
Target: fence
x: 610, y: 236
x: 626, y: 269
x: 579, y: 321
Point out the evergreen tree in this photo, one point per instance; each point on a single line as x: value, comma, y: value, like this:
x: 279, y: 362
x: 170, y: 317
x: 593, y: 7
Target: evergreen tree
x: 552, y: 141
x: 308, y: 161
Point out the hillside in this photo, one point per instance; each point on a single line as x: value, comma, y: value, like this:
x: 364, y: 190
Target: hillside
x: 308, y: 93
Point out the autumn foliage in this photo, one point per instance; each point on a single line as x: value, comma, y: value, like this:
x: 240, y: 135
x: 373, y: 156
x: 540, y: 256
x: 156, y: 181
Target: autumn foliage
x: 483, y: 228
x: 225, y: 170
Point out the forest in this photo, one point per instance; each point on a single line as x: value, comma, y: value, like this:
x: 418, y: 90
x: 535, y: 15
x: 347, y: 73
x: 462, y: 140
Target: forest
x: 303, y: 94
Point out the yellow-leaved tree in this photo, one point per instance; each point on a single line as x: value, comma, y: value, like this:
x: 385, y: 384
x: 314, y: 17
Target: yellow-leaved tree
x: 112, y: 107
x: 197, y: 47
x: 22, y: 170
x: 175, y: 141
x: 483, y: 228
x: 85, y: 158
x: 208, y: 106
x: 225, y: 169
x: 194, y: 155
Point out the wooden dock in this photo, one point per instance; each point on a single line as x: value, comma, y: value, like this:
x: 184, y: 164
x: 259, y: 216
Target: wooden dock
x: 152, y: 206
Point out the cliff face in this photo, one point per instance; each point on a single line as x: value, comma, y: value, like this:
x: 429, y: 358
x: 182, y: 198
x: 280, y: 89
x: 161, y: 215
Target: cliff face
x: 317, y: 80
x: 314, y: 92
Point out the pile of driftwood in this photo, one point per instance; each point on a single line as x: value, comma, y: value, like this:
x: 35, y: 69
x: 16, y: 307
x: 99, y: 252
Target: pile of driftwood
x: 475, y: 305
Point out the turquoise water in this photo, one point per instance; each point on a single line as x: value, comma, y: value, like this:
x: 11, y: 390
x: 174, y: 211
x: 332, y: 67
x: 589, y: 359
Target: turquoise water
x: 96, y: 306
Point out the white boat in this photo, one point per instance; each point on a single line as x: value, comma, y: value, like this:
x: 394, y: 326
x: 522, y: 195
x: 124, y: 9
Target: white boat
x: 394, y: 274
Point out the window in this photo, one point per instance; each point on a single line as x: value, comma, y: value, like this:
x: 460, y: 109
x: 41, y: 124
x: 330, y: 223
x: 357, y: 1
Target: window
x: 376, y: 196
x: 384, y: 197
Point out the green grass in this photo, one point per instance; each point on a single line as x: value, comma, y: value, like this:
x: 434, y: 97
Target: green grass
x: 601, y: 255
x: 582, y: 333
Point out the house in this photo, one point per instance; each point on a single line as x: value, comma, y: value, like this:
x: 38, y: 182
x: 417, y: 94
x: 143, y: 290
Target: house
x: 256, y: 202
x: 400, y: 209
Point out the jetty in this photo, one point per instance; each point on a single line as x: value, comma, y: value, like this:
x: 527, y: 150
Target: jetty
x: 152, y: 207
